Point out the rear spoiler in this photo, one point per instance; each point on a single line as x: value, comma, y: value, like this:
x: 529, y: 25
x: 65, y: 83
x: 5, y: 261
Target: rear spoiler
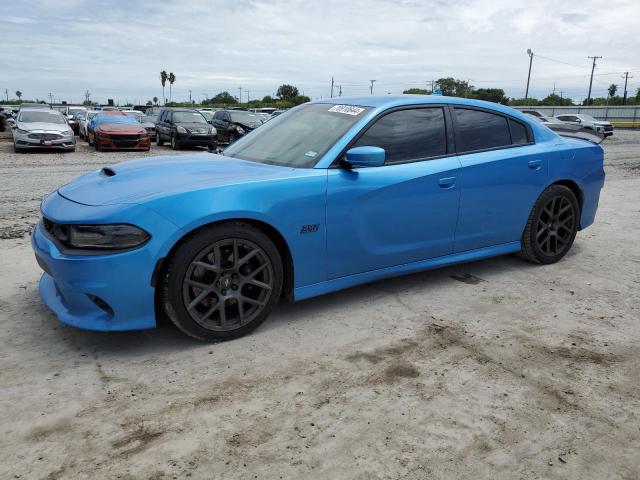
x: 582, y: 134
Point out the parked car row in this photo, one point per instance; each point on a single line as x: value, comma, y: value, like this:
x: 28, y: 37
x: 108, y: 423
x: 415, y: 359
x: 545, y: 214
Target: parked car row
x: 578, y: 120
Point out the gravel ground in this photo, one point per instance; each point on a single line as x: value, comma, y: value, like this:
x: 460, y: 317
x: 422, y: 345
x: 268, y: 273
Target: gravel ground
x: 494, y: 369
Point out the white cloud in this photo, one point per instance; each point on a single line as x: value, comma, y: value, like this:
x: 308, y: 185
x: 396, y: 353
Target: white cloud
x: 116, y: 49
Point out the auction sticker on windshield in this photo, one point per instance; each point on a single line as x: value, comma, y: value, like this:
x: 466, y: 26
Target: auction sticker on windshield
x: 348, y: 109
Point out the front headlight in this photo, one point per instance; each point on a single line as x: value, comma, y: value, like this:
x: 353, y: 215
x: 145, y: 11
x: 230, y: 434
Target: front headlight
x: 213, y: 131
x: 68, y: 133
x: 106, y: 237
x: 21, y: 131
x: 240, y: 129
x: 180, y: 129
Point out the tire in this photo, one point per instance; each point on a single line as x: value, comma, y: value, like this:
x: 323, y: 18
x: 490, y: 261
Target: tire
x: 17, y: 149
x: 97, y: 145
x: 233, y: 137
x: 175, y: 144
x: 89, y: 139
x: 248, y: 289
x: 159, y: 140
x: 552, y: 226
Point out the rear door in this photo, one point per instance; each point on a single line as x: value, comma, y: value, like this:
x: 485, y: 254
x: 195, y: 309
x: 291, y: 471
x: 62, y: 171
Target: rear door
x: 502, y: 174
x: 404, y: 211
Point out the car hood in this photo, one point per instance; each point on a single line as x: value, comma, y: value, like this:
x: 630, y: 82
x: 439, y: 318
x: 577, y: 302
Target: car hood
x: 602, y: 123
x: 249, y: 125
x: 138, y: 181
x: 43, y: 127
x: 119, y: 128
x: 194, y: 126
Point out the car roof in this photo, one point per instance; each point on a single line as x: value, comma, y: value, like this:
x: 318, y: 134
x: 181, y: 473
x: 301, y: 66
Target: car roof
x: 44, y: 110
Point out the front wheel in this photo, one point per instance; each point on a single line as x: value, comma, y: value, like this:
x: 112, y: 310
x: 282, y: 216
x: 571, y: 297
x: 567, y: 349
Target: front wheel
x: 222, y: 282
x: 159, y: 140
x: 175, y: 144
x: 552, y: 226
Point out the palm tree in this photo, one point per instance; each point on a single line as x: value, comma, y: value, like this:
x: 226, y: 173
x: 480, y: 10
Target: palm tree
x: 155, y: 100
x: 172, y: 79
x: 18, y: 94
x: 163, y: 81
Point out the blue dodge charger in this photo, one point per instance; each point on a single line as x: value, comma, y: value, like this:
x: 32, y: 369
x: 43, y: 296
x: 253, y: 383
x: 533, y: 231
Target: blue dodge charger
x: 331, y: 194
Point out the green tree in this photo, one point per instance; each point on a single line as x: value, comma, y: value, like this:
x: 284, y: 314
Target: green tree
x: 451, y: 87
x: 18, y: 94
x: 268, y: 99
x: 172, y: 80
x: 287, y: 92
x: 495, y: 95
x: 223, y: 98
x: 300, y: 99
x: 155, y: 100
x: 163, y: 81
x: 613, y: 88
x: 417, y: 91
x: 554, y: 99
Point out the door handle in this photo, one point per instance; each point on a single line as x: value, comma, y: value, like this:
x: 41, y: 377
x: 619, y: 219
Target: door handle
x: 447, y: 182
x: 535, y: 164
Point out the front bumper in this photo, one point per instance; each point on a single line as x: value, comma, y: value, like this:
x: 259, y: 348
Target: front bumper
x: 123, y: 142
x: 197, y: 140
x: 105, y: 292
x: 66, y: 144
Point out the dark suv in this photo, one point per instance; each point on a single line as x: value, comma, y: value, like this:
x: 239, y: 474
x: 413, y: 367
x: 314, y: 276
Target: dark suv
x: 233, y: 124
x: 184, y: 127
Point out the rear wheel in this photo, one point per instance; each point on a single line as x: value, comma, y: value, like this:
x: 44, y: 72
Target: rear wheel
x: 159, y: 140
x: 222, y: 282
x: 552, y: 226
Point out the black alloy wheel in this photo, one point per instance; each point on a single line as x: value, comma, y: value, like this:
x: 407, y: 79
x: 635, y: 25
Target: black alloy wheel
x: 223, y: 282
x: 552, y: 226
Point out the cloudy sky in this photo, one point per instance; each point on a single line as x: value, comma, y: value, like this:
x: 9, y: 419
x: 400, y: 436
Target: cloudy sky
x: 116, y: 48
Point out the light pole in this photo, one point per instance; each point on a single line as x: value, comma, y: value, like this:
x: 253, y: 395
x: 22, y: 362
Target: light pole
x: 371, y: 87
x: 530, y: 53
x: 591, y: 80
x: 626, y: 77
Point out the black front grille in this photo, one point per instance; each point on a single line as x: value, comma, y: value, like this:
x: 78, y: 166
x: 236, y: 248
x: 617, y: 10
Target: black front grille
x: 608, y: 128
x: 45, y: 136
x: 125, y: 138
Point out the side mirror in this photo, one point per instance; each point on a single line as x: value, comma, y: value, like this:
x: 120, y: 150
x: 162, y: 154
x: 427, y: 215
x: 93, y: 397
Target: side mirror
x: 365, y: 157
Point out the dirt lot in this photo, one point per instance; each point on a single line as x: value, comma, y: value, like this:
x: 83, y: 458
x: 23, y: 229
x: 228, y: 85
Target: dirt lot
x: 495, y: 369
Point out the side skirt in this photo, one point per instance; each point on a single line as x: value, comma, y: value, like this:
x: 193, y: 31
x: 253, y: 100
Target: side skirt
x: 341, y: 283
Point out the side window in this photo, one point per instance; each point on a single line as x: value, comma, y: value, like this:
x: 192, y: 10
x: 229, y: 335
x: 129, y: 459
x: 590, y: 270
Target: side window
x: 519, y: 135
x: 478, y: 130
x: 216, y: 116
x: 407, y: 135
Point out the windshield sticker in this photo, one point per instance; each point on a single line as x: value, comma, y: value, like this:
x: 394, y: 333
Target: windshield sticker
x: 347, y: 109
x: 311, y: 154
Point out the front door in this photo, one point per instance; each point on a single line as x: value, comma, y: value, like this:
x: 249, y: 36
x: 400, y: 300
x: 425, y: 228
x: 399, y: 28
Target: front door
x: 402, y: 212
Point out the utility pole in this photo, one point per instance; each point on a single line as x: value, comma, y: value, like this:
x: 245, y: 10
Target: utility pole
x: 339, y: 90
x: 554, y: 88
x: 50, y: 97
x: 240, y: 97
x: 6, y: 92
x: 189, y: 96
x: 247, y: 96
x: 466, y: 90
x: 331, y: 87
x: 530, y: 53
x: 371, y: 87
x: 626, y: 79
x: 591, y: 80
x: 87, y: 96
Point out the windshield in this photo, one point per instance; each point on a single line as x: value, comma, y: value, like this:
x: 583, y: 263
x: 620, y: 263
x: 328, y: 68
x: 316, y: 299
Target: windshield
x: 188, y: 117
x: 75, y: 111
x: 208, y: 115
x: 148, y: 119
x: 133, y: 113
x: 299, y: 138
x: 588, y: 118
x: 240, y: 116
x: 43, y: 117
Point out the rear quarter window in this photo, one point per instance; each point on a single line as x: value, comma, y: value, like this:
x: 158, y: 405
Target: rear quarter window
x: 479, y: 130
x: 519, y: 133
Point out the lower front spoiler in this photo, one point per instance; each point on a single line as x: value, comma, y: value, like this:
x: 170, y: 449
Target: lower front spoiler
x: 86, y: 314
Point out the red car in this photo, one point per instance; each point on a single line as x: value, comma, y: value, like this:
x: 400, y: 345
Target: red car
x: 117, y: 131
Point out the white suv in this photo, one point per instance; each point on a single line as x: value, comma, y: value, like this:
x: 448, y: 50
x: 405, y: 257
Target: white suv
x: 587, y: 121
